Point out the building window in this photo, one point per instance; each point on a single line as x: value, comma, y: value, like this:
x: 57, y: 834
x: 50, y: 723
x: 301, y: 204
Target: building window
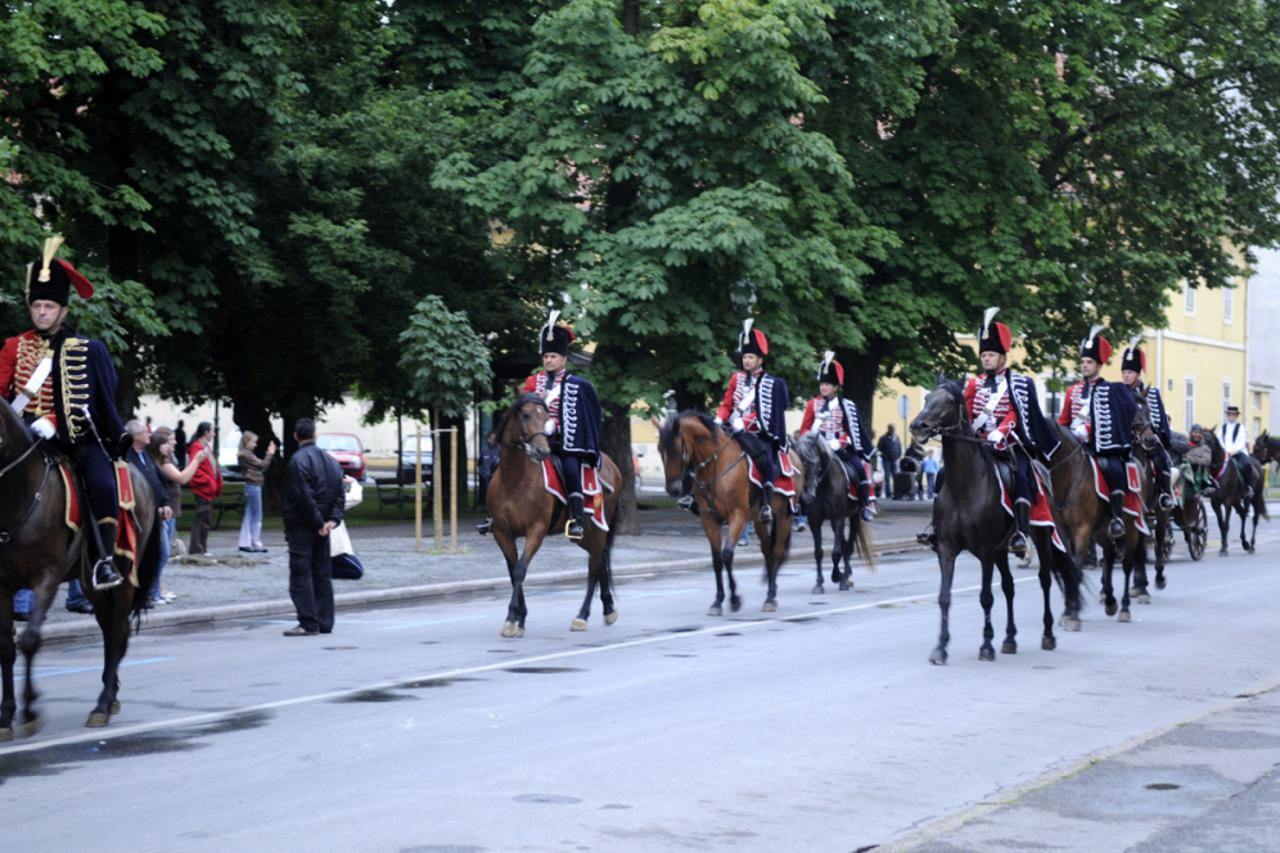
x: 1189, y: 410
x: 1257, y: 425
x: 1189, y: 298
x: 1228, y: 298
x: 1257, y: 400
x: 1226, y: 395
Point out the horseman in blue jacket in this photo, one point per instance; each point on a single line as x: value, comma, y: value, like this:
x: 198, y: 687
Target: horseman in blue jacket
x: 1133, y: 363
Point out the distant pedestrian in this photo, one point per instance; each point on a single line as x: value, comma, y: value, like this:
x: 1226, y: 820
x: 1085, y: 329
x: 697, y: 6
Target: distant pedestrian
x: 206, y: 485
x: 890, y: 452
x: 139, y: 457
x: 488, y: 464
x: 254, y: 469
x: 162, y: 449
x: 313, y: 501
x: 180, y: 447
x: 931, y: 470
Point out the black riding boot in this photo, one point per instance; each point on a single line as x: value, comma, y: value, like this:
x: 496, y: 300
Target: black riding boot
x: 485, y: 527
x: 868, y: 508
x: 1166, y: 491
x: 766, y: 503
x: 1246, y: 477
x: 105, y: 575
x: 1115, y: 528
x: 573, y: 529
x: 688, y: 503
x: 1022, y: 523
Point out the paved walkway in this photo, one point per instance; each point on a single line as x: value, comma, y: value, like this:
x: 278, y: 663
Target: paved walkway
x: 228, y: 584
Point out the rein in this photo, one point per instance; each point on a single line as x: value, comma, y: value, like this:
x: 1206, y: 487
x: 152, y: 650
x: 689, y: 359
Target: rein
x: 709, y: 492
x: 6, y: 536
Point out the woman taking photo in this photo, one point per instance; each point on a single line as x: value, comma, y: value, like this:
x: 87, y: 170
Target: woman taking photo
x: 254, y: 470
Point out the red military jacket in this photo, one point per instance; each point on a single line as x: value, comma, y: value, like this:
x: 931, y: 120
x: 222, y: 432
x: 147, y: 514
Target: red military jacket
x: 19, y: 358
x: 978, y: 398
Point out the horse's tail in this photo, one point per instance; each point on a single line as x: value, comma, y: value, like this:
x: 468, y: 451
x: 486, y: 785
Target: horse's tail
x: 861, y: 540
x: 148, y: 569
x: 1067, y: 573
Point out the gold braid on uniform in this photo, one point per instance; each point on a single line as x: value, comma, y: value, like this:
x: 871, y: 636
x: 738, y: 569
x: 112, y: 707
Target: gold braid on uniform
x: 75, y: 384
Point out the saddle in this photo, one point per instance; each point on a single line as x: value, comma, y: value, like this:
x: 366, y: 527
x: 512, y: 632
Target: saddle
x: 593, y: 488
x: 126, y: 545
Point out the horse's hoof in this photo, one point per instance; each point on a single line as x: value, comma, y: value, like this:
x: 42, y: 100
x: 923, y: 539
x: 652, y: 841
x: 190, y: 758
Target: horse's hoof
x: 1161, y: 583
x: 509, y: 629
x: 1143, y: 598
x: 938, y: 657
x: 115, y: 707
x: 611, y: 617
x: 30, y: 728
x: 1010, y: 647
x: 97, y: 720
x: 1048, y: 644
x: 715, y: 610
x: 1111, y: 608
x: 578, y: 625
x: 1222, y: 553
x: 6, y: 734
x: 818, y: 589
x: 1125, y: 616
x: 1102, y: 598
x: 845, y: 586
x: 769, y: 607
x: 987, y: 653
x: 735, y: 603
x: 835, y: 576
x: 1071, y: 624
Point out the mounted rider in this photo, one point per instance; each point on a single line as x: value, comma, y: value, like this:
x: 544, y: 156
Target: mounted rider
x: 63, y: 385
x: 1133, y: 363
x: 754, y: 407
x: 839, y: 422
x: 1004, y: 409
x: 1100, y: 416
x: 1235, y: 444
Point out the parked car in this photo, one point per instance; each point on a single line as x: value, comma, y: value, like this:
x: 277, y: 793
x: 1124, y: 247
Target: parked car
x: 409, y: 457
x: 347, y: 449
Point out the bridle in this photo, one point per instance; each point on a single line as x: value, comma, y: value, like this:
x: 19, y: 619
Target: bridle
x: 708, y: 492
x: 525, y: 442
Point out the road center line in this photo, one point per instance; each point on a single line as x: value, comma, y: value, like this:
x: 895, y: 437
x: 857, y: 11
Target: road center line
x: 665, y: 637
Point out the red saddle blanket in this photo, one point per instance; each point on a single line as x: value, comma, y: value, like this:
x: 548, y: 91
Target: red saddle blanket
x: 126, y: 529
x: 853, y: 485
x: 784, y: 483
x: 1132, y: 496
x: 593, y: 486
x: 1041, y: 512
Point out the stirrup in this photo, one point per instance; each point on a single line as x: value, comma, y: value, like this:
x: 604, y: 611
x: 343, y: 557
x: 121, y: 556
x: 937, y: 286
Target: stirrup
x: 1115, y: 528
x: 106, y: 566
x: 1018, y: 544
x: 868, y: 513
x: 688, y: 503
x: 485, y: 527
x: 571, y: 534
x: 1167, y: 502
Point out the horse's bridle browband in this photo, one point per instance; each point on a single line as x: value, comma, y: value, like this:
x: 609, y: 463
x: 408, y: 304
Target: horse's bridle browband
x: 708, y: 493
x: 524, y: 444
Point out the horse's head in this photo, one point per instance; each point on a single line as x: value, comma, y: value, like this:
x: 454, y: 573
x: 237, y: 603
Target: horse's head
x: 1262, y: 448
x: 525, y: 426
x: 816, y: 456
x: 684, y: 439
x: 1142, y: 429
x: 1209, y: 438
x: 943, y: 412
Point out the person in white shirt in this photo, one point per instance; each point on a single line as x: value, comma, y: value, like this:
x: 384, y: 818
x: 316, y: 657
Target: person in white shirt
x: 1235, y: 443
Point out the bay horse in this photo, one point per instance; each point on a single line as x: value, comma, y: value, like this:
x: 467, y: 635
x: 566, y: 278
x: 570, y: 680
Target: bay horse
x: 1144, y: 445
x: 38, y: 551
x: 1230, y: 494
x: 968, y: 516
x: 1086, y: 515
x: 1266, y: 449
x: 522, y: 507
x: 825, y: 499
x: 694, y: 448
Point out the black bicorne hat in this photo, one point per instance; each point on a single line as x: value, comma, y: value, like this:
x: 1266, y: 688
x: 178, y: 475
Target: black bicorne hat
x: 993, y: 337
x: 1134, y: 358
x: 1096, y: 346
x: 752, y: 340
x: 555, y: 336
x: 52, y: 279
x: 830, y: 370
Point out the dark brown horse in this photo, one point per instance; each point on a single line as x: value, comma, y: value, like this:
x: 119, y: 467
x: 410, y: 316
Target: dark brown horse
x: 1231, y: 492
x: 1086, y: 515
x: 38, y: 551
x: 1266, y: 449
x: 1159, y: 520
x: 967, y: 516
x: 693, y: 446
x: 521, y: 506
x: 825, y: 498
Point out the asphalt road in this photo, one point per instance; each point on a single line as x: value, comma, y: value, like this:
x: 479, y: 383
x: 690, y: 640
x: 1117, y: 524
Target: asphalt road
x: 820, y: 727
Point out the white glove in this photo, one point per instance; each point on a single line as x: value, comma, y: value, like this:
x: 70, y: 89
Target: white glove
x: 718, y: 421
x: 43, y: 427
x: 1081, y: 433
x: 738, y: 424
x: 550, y: 426
x: 995, y: 436
x: 833, y: 443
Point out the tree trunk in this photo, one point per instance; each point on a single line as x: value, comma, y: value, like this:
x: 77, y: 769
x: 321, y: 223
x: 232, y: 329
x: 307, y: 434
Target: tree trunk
x: 252, y: 416
x: 616, y: 441
x: 861, y: 370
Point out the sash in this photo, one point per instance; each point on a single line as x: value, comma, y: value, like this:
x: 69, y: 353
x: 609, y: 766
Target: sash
x: 32, y: 387
x: 985, y: 416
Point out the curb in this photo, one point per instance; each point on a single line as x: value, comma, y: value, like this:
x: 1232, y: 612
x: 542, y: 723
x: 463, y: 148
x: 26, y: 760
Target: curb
x: 71, y: 631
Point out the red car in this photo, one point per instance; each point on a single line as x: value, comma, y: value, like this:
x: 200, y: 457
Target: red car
x: 347, y: 449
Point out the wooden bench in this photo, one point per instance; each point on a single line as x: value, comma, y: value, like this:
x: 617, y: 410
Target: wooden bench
x: 221, y: 506
x: 391, y: 494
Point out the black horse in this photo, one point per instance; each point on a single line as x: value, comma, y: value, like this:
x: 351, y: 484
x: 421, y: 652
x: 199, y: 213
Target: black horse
x: 1231, y: 493
x: 967, y: 516
x: 825, y: 498
x: 38, y: 551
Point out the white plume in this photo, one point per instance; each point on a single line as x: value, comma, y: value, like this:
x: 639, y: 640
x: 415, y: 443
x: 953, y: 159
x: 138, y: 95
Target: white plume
x: 987, y: 317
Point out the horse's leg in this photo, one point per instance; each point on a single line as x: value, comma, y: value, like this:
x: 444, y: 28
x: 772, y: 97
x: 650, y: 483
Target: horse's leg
x: 779, y: 531
x: 507, y: 544
x: 1139, y: 567
x: 1224, y: 525
x: 737, y: 521
x: 104, y: 610
x: 767, y: 532
x: 711, y: 528
x: 1244, y: 521
x: 1010, y: 645
x: 606, y: 580
x: 1108, y: 565
x: 29, y: 643
x: 947, y: 571
x: 987, y: 651
x: 8, y: 654
x: 1129, y: 558
x: 845, y: 538
x: 1162, y: 531
x: 1045, y: 553
x: 597, y: 574
x: 815, y: 527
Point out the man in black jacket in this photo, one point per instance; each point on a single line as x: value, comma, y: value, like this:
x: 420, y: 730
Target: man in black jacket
x: 313, y: 502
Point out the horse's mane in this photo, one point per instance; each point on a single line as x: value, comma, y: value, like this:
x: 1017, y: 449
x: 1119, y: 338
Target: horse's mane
x: 17, y: 437
x: 667, y: 435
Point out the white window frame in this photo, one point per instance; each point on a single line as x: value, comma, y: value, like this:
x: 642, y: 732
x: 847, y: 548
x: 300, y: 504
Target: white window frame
x: 1228, y: 304
x: 1189, y: 404
x: 1189, y: 300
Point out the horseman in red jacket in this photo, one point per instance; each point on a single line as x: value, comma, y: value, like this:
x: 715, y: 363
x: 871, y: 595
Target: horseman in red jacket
x: 839, y: 422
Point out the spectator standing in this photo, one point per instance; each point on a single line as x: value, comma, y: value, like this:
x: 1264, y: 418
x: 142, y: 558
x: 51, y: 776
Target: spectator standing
x: 162, y: 448
x: 206, y: 485
x: 139, y: 456
x: 890, y: 451
x: 313, y: 507
x: 930, y: 471
x: 488, y: 464
x: 254, y: 469
x: 180, y: 447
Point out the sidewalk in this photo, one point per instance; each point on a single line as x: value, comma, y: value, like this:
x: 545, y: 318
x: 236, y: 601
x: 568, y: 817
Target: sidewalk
x: 229, y: 584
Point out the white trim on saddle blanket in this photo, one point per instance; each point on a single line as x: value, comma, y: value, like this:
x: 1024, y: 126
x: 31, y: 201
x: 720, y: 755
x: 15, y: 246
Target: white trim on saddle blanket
x: 784, y: 483
x: 854, y: 497
x: 1132, y: 498
x: 1041, y: 512
x: 592, y: 493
